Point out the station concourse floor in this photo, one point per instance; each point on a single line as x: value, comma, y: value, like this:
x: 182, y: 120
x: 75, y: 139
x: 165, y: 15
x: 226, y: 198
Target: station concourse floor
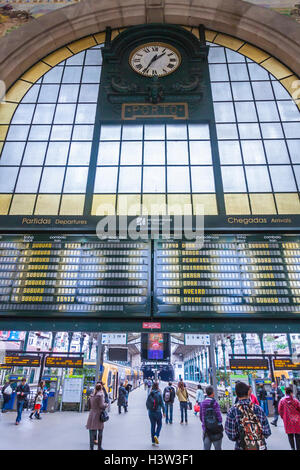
x: 130, y: 431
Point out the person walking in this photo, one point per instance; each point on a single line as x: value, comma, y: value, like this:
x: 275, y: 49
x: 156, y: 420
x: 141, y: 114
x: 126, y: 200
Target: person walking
x: 183, y: 397
x: 37, y: 405
x: 22, y: 391
x: 289, y: 410
x: 199, y: 399
x: 149, y: 386
x: 211, y: 419
x: 263, y: 402
x: 122, y: 398
x: 155, y: 405
x: 252, y: 397
x: 169, y: 397
x: 246, y: 423
x: 94, y: 424
x: 276, y: 396
x: 128, y: 388
x: 6, y: 392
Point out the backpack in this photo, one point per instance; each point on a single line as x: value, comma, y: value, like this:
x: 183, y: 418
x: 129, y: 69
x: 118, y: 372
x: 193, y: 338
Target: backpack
x: 8, y: 390
x: 212, y: 425
x: 167, y: 396
x: 152, y: 402
x: 250, y: 429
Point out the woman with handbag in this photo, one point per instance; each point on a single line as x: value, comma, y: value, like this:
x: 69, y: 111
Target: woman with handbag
x: 289, y: 410
x: 97, y: 416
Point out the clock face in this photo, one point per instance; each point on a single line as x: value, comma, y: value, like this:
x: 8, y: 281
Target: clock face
x: 155, y: 59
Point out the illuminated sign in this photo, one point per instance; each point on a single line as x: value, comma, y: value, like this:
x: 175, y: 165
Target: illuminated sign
x: 248, y: 364
x: 15, y: 359
x: 285, y: 364
x: 64, y: 361
x: 132, y: 111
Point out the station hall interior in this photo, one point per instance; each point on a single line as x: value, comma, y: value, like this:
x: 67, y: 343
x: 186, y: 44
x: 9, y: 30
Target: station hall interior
x: 149, y: 216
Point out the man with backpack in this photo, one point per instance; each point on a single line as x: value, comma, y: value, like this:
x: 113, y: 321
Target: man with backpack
x: 246, y: 423
x: 211, y: 418
x: 169, y: 397
x: 154, y: 406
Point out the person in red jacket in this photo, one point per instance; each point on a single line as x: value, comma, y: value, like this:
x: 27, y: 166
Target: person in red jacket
x: 289, y: 410
x: 252, y: 397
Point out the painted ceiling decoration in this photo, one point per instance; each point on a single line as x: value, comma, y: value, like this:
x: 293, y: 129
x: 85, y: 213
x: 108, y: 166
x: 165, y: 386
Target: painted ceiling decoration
x: 15, y: 13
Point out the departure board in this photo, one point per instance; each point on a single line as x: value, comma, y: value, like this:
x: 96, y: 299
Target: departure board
x: 230, y: 276
x: 249, y: 364
x: 285, y: 364
x: 64, y: 361
x: 25, y: 360
x: 73, y: 277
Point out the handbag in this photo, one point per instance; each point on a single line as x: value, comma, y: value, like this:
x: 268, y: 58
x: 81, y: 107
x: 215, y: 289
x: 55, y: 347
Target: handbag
x: 190, y: 406
x: 104, y: 416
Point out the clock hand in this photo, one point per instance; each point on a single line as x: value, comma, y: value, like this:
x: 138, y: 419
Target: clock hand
x: 158, y: 57
x: 151, y: 62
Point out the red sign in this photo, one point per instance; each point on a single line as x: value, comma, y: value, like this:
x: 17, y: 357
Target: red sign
x: 152, y: 326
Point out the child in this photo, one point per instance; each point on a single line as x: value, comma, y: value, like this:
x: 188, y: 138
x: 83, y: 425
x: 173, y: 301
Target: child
x: 37, y: 405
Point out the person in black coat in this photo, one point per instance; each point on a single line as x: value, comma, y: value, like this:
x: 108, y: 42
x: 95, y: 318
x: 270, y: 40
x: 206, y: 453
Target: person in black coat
x: 276, y: 395
x: 122, y: 398
x: 23, y: 391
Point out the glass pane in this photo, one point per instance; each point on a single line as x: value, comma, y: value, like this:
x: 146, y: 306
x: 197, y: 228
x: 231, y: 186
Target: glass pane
x: 154, y: 153
x: 57, y: 153
x: 249, y: 131
x: 89, y: 93
x: 288, y: 111
x: 23, y: 114
x: 131, y: 153
x: 253, y: 152
x: 93, y: 57
x: 39, y: 132
x: 12, y: 153
x: 292, y: 130
x: 294, y: 149
x: 91, y: 74
x: 227, y: 131
x: 233, y: 179
x: 238, y: 72
x: 242, y: 91
x: 233, y: 56
x: 68, y: 93
x: 132, y: 132
x: 108, y: 153
x: 282, y: 178
x: 106, y: 180
x: 280, y: 92
x: 200, y: 153
x: 64, y: 114
x: 224, y: 112
x: 154, y: 179
x: 271, y: 131
x: 48, y: 93
x: 130, y: 179
x: 76, y: 179
x: 262, y: 90
x: 221, y: 91
x: 44, y: 114
x: 276, y: 151
x: 218, y: 73
x: 177, y: 153
x: 61, y: 132
x: 82, y: 132
x: 258, y: 179
x: 77, y: 59
x: 85, y: 114
x: 72, y: 75
x: 80, y: 153
x: 297, y: 174
x: 53, y: 76
x: 230, y: 153
x: 257, y: 72
x: 17, y: 132
x: 52, y: 180
x: 176, y: 131
x: 178, y: 179
x: 35, y: 153
x: 203, y: 179
x: 29, y: 178
x: 8, y: 176
x: 199, y: 131
x: 31, y: 95
x: 216, y: 55
x: 154, y: 132
x: 267, y: 111
x: 110, y: 132
x: 245, y: 111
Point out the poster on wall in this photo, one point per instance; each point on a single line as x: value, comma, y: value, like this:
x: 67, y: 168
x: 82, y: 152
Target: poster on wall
x: 72, y: 391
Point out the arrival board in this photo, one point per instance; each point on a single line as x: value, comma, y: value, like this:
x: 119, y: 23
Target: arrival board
x: 73, y: 276
x: 230, y: 276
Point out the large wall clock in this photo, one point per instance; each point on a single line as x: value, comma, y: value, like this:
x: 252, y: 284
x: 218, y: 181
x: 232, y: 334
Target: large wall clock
x: 155, y: 71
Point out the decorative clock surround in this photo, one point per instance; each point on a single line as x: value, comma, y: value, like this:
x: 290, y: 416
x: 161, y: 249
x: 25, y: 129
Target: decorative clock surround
x: 155, y: 72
